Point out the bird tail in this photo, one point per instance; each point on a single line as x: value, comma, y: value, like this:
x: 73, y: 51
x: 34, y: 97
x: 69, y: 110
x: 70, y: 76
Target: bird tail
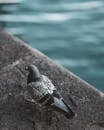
x: 61, y: 106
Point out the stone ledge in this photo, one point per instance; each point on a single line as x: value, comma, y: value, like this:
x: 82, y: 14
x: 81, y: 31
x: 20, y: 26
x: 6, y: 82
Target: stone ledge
x: 14, y: 56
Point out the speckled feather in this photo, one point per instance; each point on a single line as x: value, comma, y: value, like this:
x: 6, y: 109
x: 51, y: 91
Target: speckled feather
x: 41, y: 87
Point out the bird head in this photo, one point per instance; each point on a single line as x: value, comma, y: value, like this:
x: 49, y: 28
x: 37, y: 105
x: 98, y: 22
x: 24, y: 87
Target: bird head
x: 34, y: 73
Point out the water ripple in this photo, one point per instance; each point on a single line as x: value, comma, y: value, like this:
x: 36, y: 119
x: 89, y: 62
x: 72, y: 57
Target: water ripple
x: 15, y: 31
x: 10, y: 1
x: 84, y: 5
x: 42, y: 17
x: 73, y: 62
x: 68, y: 6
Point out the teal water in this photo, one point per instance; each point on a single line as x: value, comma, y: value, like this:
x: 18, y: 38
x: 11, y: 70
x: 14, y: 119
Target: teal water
x: 70, y: 32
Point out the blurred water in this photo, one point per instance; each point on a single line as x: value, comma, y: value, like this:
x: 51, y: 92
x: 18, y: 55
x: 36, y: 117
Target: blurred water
x: 70, y: 32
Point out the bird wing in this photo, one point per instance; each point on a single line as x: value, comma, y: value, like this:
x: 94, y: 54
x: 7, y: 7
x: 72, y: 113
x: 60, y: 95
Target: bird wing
x: 36, y: 90
x: 47, y: 84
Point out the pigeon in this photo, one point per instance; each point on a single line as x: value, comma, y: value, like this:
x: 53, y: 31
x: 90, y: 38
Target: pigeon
x: 45, y: 93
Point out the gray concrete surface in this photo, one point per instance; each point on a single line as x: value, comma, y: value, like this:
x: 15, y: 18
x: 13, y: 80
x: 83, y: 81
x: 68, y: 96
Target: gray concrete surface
x: 16, y: 114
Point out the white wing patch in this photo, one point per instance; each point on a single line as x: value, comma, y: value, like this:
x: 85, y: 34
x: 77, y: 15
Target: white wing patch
x: 47, y: 84
x: 42, y: 87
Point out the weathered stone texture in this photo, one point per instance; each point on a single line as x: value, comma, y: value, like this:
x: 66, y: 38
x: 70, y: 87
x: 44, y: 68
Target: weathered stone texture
x: 17, y: 114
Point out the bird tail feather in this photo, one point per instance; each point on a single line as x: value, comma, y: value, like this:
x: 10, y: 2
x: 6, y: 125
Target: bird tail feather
x: 61, y: 106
